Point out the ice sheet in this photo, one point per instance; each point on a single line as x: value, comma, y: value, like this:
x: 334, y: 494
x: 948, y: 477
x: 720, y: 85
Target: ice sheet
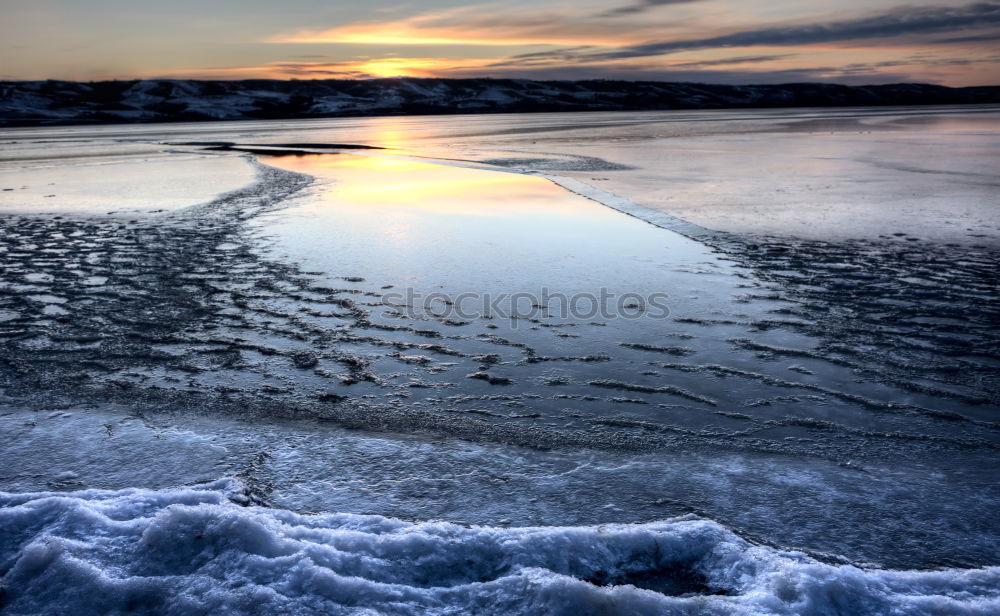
x: 79, y: 186
x: 275, y: 302
x: 834, y: 395
x: 859, y: 173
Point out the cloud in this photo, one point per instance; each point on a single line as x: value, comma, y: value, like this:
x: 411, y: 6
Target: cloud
x: 577, y: 44
x: 626, y: 66
x: 893, y: 24
x: 641, y: 7
x: 440, y: 67
x: 655, y: 72
x: 989, y: 37
x: 474, y: 27
x: 708, y: 71
x: 736, y: 60
x: 350, y: 69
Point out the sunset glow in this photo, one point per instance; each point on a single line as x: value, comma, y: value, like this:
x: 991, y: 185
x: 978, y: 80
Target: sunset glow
x: 719, y: 41
x: 502, y: 308
x: 467, y: 28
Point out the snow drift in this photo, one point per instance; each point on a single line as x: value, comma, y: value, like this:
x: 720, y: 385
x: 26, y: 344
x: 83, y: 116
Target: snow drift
x: 207, y: 549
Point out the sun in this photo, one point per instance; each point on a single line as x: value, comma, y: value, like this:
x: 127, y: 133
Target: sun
x: 400, y: 67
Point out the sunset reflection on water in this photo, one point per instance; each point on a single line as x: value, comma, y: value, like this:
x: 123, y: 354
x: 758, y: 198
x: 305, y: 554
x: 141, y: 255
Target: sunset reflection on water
x: 365, y: 182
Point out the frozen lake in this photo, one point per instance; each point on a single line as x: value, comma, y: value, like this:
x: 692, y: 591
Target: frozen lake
x: 781, y: 324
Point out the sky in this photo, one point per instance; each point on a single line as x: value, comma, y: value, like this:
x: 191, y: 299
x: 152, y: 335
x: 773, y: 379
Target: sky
x: 718, y: 41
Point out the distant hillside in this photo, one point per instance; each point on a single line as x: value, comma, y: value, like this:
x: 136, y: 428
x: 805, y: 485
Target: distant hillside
x: 25, y: 103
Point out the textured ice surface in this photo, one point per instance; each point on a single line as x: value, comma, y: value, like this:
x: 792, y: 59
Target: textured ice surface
x: 830, y: 396
x: 201, y: 550
x: 885, y: 512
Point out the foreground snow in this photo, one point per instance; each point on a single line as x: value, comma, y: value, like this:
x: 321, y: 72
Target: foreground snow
x: 203, y: 550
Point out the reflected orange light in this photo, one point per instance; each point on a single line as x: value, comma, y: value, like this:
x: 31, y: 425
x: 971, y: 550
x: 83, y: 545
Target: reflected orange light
x: 407, y: 187
x: 388, y: 136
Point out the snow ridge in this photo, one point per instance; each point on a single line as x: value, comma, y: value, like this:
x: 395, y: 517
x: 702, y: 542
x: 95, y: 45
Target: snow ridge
x: 208, y: 550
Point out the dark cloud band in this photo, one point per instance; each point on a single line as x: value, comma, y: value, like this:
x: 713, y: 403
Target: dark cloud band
x: 899, y: 22
x: 641, y: 7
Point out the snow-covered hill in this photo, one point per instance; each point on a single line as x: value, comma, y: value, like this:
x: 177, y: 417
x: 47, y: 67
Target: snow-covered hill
x: 64, y: 102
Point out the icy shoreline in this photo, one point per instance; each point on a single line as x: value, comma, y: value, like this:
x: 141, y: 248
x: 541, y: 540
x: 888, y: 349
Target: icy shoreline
x: 202, y: 549
x: 182, y: 315
x: 835, y: 397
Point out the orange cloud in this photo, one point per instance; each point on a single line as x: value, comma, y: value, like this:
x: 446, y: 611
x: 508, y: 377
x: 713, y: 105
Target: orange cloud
x: 466, y: 27
x: 354, y: 69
